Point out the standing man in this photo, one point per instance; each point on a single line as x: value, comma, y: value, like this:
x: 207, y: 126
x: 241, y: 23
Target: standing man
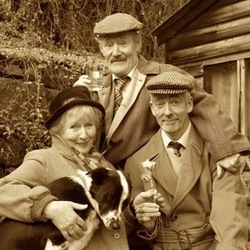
x: 201, y: 212
x: 129, y: 121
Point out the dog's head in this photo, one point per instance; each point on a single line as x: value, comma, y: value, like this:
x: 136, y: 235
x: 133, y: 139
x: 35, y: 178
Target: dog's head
x: 109, y: 192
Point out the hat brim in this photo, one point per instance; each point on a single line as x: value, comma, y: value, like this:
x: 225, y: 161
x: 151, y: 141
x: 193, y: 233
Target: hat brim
x: 115, y: 32
x: 168, y: 91
x: 53, y: 117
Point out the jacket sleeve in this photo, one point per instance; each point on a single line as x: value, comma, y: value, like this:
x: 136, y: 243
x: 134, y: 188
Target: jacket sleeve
x: 229, y: 211
x: 23, y: 192
x: 138, y: 237
x: 215, y: 127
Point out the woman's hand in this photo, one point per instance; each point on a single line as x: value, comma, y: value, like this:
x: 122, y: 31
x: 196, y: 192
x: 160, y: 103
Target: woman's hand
x: 147, y: 208
x: 82, y: 81
x: 62, y: 214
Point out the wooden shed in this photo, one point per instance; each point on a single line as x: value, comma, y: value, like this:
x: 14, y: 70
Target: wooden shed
x: 211, y: 40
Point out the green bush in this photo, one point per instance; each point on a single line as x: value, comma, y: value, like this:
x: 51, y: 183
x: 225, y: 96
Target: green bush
x: 24, y: 117
x: 52, y: 41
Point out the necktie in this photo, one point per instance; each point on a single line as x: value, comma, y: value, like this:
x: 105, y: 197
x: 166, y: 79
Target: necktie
x: 176, y: 146
x: 119, y: 84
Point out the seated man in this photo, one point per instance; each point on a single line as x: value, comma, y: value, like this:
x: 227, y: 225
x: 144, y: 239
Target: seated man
x: 201, y: 211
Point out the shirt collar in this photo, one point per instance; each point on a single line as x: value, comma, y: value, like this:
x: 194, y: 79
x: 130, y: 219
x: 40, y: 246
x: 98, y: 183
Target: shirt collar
x: 183, y: 140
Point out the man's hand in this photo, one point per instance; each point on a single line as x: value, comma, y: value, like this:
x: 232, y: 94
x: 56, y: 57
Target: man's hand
x: 62, y: 214
x: 230, y: 163
x: 82, y: 81
x: 147, y: 207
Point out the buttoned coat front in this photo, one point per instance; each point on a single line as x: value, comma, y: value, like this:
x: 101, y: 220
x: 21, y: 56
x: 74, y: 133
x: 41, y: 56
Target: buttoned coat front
x: 197, y: 197
x: 134, y: 124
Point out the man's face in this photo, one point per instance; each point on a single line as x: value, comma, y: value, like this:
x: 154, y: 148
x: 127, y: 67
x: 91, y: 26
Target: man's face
x: 171, y: 112
x: 120, y: 52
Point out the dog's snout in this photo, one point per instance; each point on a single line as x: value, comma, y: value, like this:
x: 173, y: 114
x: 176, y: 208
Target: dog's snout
x: 115, y: 224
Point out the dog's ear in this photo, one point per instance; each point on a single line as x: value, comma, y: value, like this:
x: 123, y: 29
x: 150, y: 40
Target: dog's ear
x: 99, y: 175
x: 127, y: 176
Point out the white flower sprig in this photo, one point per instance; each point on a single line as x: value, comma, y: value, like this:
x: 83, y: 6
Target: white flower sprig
x: 148, y: 164
x: 147, y: 175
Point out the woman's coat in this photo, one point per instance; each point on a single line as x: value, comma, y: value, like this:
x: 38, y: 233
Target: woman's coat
x: 24, y: 190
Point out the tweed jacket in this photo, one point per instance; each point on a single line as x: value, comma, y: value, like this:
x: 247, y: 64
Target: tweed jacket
x: 24, y: 195
x: 197, y: 197
x: 135, y: 124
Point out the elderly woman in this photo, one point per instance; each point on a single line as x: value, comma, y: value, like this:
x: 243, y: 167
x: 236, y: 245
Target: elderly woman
x: 73, y: 123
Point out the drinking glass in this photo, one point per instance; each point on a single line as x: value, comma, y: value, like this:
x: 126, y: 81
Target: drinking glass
x: 95, y: 74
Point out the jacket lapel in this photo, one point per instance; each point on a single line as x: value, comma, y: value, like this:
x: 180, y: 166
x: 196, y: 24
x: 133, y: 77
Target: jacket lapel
x: 165, y: 181
x: 106, y: 95
x: 191, y: 167
x: 106, y: 98
x: 137, y: 82
x: 162, y: 171
x: 67, y: 153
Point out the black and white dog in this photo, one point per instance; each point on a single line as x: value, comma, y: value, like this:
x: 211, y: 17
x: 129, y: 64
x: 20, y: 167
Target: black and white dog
x: 105, y: 191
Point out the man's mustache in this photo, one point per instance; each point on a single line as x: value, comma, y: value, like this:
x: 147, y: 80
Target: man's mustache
x: 120, y: 59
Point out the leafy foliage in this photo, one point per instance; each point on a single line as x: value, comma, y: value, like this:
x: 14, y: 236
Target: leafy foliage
x: 21, y: 124
x: 69, y: 24
x: 27, y: 122
x: 52, y: 41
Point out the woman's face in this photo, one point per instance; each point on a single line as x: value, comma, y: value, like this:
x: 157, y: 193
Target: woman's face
x: 79, y: 132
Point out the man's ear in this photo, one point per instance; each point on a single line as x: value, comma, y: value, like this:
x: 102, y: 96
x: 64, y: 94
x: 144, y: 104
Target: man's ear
x: 138, y: 43
x: 190, y: 104
x: 101, y: 48
x: 151, y: 107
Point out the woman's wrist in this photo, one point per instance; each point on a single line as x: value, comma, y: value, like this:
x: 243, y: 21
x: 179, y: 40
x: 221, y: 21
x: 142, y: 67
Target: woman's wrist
x: 48, y: 210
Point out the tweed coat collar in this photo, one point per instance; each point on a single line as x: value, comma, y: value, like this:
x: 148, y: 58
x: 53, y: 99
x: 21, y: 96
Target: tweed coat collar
x: 191, y: 166
x: 148, y: 67
x: 61, y: 146
x: 137, y: 82
x: 106, y: 95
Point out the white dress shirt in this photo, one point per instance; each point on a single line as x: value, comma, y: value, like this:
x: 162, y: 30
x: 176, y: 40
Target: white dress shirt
x: 183, y: 140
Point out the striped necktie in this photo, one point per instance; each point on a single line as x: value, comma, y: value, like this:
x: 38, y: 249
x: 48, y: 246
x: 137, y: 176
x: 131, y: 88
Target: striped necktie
x: 119, y: 84
x: 176, y: 146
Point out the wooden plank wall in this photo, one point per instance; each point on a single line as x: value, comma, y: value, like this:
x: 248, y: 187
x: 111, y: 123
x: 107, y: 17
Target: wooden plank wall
x: 220, y: 34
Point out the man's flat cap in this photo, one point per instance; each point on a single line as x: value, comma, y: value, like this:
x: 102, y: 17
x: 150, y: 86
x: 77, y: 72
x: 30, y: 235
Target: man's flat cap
x: 117, y: 23
x: 170, y: 82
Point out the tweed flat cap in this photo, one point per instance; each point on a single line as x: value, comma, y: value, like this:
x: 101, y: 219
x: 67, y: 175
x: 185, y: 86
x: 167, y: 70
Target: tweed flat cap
x: 117, y: 23
x: 170, y: 82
